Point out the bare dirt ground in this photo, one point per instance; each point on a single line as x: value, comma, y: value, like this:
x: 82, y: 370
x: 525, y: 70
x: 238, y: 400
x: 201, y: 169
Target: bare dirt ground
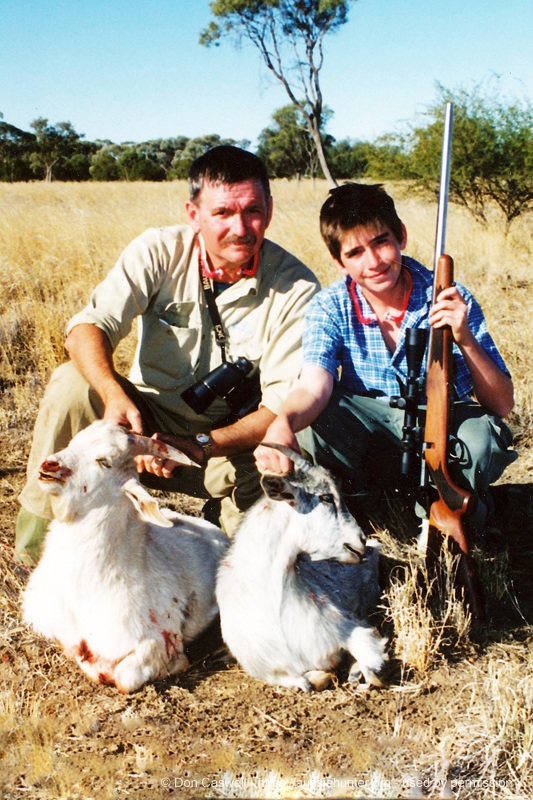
x: 215, y: 732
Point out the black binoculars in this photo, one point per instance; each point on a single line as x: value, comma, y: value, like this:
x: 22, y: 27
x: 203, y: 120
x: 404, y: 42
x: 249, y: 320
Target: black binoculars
x: 229, y: 382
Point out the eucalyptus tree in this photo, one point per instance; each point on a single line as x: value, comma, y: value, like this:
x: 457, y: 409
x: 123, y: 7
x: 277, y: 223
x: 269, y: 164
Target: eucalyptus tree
x: 53, y: 144
x: 289, y: 35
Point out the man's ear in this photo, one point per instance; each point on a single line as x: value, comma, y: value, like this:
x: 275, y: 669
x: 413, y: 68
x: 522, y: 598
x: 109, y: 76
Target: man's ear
x: 193, y: 212
x: 270, y: 209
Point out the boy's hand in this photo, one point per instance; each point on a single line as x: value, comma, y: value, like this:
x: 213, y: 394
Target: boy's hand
x: 450, y: 309
x: 270, y: 460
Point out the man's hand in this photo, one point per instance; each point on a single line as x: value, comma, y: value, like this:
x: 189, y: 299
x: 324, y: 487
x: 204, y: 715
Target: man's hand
x: 165, y: 468
x: 270, y: 460
x: 120, y: 410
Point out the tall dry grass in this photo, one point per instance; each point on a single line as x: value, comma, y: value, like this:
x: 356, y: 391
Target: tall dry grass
x: 57, y: 241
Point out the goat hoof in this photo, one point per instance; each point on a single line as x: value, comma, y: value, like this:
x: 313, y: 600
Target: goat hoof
x: 365, y: 680
x: 319, y: 679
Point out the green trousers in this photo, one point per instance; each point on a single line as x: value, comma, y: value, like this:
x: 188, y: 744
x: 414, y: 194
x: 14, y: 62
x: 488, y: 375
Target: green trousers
x: 359, y: 439
x: 69, y: 405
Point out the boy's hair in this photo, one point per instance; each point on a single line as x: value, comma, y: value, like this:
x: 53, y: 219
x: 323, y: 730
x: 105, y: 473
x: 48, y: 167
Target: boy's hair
x: 226, y: 164
x: 354, y: 204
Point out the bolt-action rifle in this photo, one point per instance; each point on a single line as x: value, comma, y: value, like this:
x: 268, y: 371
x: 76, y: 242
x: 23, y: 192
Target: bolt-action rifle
x: 453, y: 502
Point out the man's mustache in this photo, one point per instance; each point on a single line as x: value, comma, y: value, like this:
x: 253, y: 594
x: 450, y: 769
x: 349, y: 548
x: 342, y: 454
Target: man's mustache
x: 248, y: 239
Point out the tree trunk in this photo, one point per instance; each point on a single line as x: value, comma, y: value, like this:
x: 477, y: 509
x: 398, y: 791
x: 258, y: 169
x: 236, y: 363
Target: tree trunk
x: 322, y: 157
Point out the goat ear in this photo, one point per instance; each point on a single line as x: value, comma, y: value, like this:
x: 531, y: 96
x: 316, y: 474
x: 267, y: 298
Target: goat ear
x: 277, y: 487
x: 146, y: 505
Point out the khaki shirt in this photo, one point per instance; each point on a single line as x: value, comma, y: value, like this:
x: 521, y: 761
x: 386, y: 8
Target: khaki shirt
x: 156, y: 280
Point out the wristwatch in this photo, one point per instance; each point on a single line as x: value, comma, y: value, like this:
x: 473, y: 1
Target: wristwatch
x: 206, y: 443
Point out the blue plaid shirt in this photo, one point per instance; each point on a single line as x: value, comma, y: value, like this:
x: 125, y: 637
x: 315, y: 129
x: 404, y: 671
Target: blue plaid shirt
x: 334, y: 338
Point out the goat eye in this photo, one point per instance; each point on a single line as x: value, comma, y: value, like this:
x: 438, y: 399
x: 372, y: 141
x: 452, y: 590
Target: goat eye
x: 104, y: 462
x: 327, y: 498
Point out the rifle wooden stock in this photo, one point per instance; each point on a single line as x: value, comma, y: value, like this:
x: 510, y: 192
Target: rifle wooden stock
x: 445, y: 516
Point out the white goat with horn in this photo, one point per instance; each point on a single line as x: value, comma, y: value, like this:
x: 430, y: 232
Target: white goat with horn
x: 121, y: 585
x: 298, y: 582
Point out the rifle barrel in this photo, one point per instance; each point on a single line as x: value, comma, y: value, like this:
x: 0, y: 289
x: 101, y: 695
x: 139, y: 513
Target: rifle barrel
x: 444, y: 181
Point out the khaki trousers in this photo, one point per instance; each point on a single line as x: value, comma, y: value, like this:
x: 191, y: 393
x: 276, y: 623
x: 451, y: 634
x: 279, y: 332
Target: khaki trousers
x: 69, y: 405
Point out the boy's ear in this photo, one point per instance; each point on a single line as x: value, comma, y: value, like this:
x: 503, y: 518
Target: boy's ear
x: 403, y: 243
x: 339, y: 265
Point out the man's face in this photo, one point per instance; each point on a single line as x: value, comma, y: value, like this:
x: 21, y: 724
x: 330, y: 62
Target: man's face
x: 371, y: 256
x: 232, y: 219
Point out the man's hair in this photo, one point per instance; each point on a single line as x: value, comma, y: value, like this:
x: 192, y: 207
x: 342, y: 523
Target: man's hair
x: 226, y: 164
x: 356, y: 204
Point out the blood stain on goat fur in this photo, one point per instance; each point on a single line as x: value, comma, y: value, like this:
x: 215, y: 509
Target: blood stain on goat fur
x: 85, y: 653
x: 172, y: 644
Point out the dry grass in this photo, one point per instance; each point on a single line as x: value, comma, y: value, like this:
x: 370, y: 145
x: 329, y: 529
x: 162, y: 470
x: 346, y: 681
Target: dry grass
x: 56, y: 242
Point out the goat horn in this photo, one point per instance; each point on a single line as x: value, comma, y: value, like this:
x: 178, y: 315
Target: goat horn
x: 297, y: 458
x: 144, y: 445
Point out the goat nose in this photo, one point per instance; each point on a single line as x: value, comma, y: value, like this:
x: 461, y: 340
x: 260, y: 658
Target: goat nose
x: 50, y: 466
x: 53, y: 471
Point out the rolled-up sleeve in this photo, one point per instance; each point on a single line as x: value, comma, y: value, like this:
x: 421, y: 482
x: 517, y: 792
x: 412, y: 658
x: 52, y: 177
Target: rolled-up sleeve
x: 127, y: 290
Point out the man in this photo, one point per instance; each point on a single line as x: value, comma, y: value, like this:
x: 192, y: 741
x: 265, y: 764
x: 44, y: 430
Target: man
x: 212, y: 291
x: 354, y: 361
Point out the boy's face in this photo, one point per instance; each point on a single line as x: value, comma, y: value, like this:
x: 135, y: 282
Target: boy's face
x: 371, y: 256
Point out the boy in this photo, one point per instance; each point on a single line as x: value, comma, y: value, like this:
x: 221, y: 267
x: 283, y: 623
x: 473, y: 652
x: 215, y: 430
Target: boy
x: 354, y: 361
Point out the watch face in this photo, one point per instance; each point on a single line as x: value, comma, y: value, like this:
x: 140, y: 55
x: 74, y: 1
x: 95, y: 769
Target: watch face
x: 202, y: 438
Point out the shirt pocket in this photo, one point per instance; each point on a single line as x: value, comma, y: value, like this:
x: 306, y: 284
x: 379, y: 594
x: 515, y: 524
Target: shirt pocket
x: 170, y: 346
x: 179, y: 315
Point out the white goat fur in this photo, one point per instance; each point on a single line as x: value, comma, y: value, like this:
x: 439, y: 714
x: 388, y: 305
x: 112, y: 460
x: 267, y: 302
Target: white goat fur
x: 120, y: 585
x: 278, y: 628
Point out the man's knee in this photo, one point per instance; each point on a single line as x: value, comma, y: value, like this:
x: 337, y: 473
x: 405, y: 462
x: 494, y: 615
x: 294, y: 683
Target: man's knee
x: 67, y: 406
x: 235, y: 481
x: 30, y: 533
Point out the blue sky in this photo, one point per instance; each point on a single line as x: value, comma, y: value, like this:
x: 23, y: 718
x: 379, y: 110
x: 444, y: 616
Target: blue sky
x: 130, y: 70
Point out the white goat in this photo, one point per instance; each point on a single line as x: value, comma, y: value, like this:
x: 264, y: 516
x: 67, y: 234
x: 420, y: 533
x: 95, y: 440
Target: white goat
x: 120, y: 585
x: 297, y: 583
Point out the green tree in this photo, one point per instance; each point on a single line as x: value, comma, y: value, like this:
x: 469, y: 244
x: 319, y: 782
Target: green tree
x: 349, y: 159
x: 163, y: 151
x: 289, y: 35
x: 492, y: 151
x: 104, y: 167
x: 15, y: 149
x: 196, y: 147
x: 387, y: 158
x: 134, y: 165
x: 287, y: 148
x: 53, y: 144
